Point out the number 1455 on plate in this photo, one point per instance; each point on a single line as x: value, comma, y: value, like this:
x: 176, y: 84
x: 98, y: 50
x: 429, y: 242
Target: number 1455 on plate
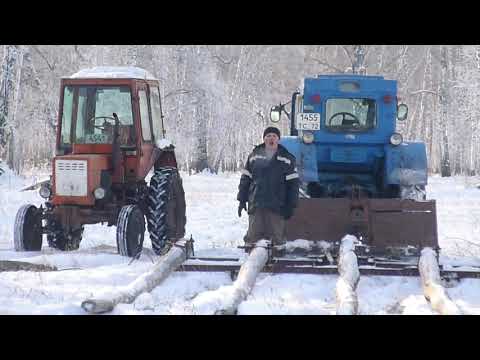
x: 308, y: 121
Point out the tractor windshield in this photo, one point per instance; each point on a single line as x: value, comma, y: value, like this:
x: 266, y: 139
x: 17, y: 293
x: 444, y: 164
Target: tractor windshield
x: 350, y: 114
x: 87, y: 115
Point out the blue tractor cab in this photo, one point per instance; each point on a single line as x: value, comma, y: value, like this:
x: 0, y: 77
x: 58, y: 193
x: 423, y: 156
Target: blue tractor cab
x: 358, y: 174
x: 343, y: 134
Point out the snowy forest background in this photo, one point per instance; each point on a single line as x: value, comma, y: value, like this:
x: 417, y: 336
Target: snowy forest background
x: 216, y: 98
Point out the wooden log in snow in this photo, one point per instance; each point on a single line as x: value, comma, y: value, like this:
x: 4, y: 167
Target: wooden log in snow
x: 434, y: 292
x: 225, y: 300
x: 10, y: 265
x: 145, y: 283
x: 346, y: 296
x: 35, y: 186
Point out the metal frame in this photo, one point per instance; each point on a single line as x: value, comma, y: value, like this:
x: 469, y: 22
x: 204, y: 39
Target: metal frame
x: 321, y: 265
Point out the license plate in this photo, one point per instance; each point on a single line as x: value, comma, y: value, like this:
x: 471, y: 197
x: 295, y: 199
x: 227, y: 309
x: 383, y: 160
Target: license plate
x: 308, y: 121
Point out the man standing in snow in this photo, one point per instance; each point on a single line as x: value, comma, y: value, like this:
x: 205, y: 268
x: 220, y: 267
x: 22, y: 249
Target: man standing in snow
x: 269, y: 184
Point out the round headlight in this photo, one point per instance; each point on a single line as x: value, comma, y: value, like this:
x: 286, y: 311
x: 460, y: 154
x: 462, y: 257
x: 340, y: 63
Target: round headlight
x: 307, y: 137
x: 396, y: 139
x: 45, y: 192
x: 99, y: 193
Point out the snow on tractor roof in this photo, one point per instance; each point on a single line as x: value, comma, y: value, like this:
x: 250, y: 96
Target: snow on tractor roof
x: 114, y: 72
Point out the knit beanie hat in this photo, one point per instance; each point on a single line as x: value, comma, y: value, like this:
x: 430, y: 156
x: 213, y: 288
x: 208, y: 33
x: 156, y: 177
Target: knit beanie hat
x: 271, y: 130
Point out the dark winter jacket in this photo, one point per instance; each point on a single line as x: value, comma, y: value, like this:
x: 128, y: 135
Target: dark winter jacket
x: 271, y: 184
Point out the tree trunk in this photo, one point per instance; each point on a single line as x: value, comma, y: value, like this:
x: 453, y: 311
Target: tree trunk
x: 225, y: 300
x: 145, y: 283
x: 432, y: 288
x: 7, y: 95
x: 347, y: 302
x: 9, y: 265
x: 445, y: 158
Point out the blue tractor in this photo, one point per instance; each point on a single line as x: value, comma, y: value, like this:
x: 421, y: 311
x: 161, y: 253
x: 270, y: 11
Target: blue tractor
x: 358, y: 175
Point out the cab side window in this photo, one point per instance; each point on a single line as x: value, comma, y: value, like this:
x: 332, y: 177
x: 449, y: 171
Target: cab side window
x: 67, y: 116
x: 157, y: 121
x: 145, y: 116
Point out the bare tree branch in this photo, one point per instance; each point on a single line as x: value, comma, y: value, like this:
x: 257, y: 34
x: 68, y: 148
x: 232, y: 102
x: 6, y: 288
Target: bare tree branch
x: 467, y: 241
x: 78, y: 53
x: 367, y: 51
x: 395, y: 59
x: 225, y: 62
x: 416, y: 92
x: 178, y: 92
x: 219, y: 58
x: 348, y: 55
x: 50, y: 66
x: 321, y: 62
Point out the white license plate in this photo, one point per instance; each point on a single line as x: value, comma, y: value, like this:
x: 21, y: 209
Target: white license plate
x: 308, y: 121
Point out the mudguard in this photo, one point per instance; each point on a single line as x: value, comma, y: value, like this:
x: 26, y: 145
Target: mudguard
x: 406, y: 164
x: 305, y: 155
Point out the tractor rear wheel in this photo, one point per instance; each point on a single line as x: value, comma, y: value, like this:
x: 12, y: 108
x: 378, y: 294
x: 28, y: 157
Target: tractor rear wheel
x: 130, y: 230
x: 27, y: 234
x: 166, y: 208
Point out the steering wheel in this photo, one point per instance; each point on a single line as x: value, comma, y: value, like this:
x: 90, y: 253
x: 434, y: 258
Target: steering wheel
x: 101, y: 127
x: 344, y: 114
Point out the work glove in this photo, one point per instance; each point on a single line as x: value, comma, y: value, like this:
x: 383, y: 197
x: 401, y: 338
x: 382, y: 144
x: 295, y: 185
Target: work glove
x: 288, y: 213
x: 242, y: 206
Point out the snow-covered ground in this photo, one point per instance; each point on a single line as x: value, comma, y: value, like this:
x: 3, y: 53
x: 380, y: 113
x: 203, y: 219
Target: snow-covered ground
x: 217, y: 231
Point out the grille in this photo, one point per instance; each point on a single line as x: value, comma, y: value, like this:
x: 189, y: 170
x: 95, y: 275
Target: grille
x: 71, y: 177
x: 348, y: 155
x: 71, y: 165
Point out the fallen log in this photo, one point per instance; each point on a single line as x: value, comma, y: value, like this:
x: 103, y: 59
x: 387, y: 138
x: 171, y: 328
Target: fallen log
x: 346, y: 296
x: 10, y: 265
x: 145, y: 283
x: 434, y: 292
x: 35, y: 186
x: 225, y: 300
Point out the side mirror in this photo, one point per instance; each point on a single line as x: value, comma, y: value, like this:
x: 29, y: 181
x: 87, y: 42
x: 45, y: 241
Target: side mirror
x: 402, y: 112
x: 275, y: 113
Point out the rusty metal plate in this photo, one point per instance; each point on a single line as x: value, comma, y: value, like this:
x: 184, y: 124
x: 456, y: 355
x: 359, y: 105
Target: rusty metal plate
x: 403, y: 223
x: 382, y: 222
x: 319, y: 219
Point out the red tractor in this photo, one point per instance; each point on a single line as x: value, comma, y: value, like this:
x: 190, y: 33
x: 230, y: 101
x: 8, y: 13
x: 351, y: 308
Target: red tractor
x: 110, y: 134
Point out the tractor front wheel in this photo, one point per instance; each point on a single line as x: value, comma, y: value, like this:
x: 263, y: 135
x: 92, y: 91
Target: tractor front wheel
x: 27, y: 234
x: 130, y: 230
x: 166, y: 208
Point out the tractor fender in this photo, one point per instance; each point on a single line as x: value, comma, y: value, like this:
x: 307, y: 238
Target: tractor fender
x: 305, y: 155
x: 406, y: 164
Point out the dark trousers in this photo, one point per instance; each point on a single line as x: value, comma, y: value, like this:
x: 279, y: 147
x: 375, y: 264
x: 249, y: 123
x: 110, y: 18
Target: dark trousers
x: 265, y: 224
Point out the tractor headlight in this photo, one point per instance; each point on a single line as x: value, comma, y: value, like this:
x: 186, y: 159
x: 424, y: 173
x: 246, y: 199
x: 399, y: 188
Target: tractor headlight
x: 396, y: 139
x: 307, y: 137
x: 45, y: 192
x: 99, y: 193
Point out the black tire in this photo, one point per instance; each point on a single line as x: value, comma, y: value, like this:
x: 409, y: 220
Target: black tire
x: 130, y: 230
x: 58, y: 239
x: 165, y: 208
x: 27, y: 235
